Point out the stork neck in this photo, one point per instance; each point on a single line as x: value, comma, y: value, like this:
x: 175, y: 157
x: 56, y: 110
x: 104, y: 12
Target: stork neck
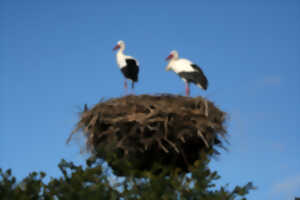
x: 171, y: 62
x: 120, y: 57
x: 173, y: 59
x: 121, y: 50
x: 122, y: 47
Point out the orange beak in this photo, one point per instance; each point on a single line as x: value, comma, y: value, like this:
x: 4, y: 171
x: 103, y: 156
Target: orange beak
x: 116, y: 47
x: 169, y: 57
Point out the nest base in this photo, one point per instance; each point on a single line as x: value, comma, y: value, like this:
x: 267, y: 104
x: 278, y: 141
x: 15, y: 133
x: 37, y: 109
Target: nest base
x: 137, y: 133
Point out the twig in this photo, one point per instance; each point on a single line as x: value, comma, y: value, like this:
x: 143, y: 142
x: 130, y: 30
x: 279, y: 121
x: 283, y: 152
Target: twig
x: 202, y: 137
x: 162, y: 146
x: 172, y: 144
x: 206, y: 108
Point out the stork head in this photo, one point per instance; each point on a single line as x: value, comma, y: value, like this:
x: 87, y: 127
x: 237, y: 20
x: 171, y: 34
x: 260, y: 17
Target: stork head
x: 172, y: 55
x: 120, y: 45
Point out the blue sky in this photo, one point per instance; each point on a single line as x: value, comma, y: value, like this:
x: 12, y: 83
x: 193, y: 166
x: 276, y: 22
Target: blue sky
x: 56, y: 56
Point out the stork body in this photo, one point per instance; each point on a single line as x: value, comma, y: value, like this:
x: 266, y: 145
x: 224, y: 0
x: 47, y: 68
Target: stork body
x: 188, y: 71
x: 127, y: 64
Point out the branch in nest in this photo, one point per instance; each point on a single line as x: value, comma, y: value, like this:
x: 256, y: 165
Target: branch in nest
x: 206, y: 107
x: 172, y: 144
x: 162, y: 146
x: 202, y: 137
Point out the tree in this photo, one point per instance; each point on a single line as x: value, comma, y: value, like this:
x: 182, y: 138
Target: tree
x: 158, y: 147
x: 93, y: 183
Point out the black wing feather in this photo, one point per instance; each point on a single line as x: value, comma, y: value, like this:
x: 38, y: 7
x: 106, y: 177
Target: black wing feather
x: 201, y: 78
x: 131, y: 70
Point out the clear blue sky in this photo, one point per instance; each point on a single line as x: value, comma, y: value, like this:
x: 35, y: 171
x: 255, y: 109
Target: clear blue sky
x: 57, y: 55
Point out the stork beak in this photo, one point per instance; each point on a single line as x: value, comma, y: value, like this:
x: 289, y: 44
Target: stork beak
x: 116, y: 47
x: 169, y: 57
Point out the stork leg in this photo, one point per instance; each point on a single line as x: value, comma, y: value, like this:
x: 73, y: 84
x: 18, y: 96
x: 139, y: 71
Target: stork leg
x: 132, y: 87
x: 187, y: 89
x: 125, y: 86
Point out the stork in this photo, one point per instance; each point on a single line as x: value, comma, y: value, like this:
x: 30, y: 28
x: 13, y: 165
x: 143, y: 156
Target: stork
x: 188, y: 71
x: 127, y: 64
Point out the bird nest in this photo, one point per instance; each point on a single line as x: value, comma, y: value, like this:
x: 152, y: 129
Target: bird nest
x: 135, y: 133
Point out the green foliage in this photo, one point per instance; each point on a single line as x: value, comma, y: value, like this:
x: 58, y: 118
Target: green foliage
x: 93, y: 183
x: 29, y: 188
x: 199, y: 184
x: 76, y: 183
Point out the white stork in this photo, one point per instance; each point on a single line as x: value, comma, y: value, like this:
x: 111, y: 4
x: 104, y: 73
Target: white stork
x: 189, y: 72
x: 127, y: 64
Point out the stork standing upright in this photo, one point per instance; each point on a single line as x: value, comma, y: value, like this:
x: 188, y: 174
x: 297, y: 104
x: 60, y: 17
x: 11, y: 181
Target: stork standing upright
x: 189, y: 72
x: 127, y: 64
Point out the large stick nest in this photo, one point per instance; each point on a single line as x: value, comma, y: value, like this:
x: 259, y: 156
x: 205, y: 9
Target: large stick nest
x: 136, y: 133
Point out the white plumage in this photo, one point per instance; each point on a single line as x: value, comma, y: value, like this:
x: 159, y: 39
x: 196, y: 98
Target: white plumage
x: 181, y: 65
x: 128, y: 65
x: 187, y: 70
